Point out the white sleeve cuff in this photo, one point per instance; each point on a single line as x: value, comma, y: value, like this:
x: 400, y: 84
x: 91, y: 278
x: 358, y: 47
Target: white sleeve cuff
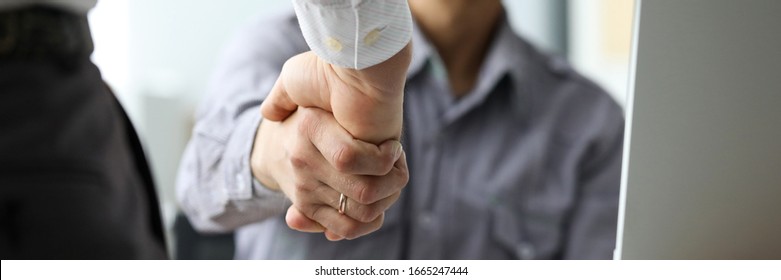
x: 355, y: 33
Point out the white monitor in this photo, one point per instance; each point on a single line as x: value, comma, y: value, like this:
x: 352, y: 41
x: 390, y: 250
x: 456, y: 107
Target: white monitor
x: 702, y: 157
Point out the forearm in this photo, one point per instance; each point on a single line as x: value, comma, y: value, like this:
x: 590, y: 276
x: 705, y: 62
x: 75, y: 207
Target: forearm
x: 367, y: 46
x: 215, y: 186
x: 378, y: 116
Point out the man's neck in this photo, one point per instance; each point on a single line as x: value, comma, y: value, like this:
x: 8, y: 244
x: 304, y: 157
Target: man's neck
x: 461, y: 32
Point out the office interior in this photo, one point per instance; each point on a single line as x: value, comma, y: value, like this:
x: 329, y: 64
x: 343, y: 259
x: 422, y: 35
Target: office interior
x: 158, y: 56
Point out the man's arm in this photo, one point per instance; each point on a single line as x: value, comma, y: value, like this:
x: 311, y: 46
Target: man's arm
x: 357, y: 70
x: 215, y: 187
x: 358, y: 74
x: 214, y: 176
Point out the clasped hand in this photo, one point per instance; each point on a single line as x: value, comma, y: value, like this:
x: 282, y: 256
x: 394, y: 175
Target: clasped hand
x: 329, y: 131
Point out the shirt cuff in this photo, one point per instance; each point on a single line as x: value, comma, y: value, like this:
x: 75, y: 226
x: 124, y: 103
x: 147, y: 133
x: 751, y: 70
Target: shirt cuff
x: 355, y: 33
x: 240, y: 184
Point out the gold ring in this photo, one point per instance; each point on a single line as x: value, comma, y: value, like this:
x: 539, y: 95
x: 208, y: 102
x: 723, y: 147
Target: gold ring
x: 342, y: 203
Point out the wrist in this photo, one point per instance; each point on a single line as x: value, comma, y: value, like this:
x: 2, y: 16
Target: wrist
x: 258, y: 158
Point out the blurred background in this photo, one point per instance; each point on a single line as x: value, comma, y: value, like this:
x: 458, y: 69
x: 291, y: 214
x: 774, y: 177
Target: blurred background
x: 158, y: 56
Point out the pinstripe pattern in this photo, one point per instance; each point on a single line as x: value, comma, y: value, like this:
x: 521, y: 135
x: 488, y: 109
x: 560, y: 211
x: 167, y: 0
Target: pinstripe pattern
x: 348, y: 22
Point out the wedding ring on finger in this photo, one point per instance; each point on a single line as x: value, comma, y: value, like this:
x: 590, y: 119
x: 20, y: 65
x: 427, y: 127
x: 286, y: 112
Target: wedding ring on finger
x: 342, y: 203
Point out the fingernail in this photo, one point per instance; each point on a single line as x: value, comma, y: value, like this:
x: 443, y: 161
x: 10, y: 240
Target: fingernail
x: 397, y: 152
x: 332, y: 236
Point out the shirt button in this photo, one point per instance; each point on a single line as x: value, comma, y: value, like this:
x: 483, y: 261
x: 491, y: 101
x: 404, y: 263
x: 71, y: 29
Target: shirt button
x: 333, y: 44
x: 426, y: 219
x: 372, y: 36
x: 525, y: 251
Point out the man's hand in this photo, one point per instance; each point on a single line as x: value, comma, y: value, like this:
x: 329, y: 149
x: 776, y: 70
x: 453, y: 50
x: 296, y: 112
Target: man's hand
x: 368, y: 102
x: 312, y: 159
x: 350, y: 148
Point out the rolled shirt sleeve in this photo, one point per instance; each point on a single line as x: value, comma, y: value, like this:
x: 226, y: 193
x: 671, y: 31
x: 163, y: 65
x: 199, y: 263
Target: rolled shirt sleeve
x: 215, y: 187
x: 355, y: 33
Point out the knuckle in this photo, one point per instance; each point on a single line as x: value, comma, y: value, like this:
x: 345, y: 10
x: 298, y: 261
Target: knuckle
x: 402, y: 175
x: 369, y: 214
x: 386, y: 167
x: 306, y: 122
x: 298, y: 161
x: 386, y: 162
x: 307, y: 209
x: 344, y: 158
x: 303, y: 187
x: 316, y: 212
x: 367, y: 192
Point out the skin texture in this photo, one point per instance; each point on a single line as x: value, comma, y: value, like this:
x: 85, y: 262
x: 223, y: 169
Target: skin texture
x: 368, y: 103
x: 303, y: 156
x: 318, y: 111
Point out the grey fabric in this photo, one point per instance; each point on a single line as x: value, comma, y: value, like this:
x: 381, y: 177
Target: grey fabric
x: 526, y: 166
x: 74, y: 181
x: 76, y: 6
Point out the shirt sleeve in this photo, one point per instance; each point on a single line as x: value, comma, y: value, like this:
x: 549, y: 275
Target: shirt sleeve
x: 215, y: 187
x: 355, y: 33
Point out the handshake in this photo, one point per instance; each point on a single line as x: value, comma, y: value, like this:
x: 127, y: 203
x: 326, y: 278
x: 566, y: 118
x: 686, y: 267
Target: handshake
x: 330, y: 143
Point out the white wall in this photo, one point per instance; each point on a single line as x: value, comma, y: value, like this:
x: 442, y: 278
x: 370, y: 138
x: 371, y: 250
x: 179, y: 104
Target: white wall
x: 600, y: 42
x: 536, y: 21
x: 109, y: 24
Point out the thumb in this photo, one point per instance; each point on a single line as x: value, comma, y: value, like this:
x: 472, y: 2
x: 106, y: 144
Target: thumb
x: 297, y: 221
x: 278, y: 105
x: 302, y: 82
